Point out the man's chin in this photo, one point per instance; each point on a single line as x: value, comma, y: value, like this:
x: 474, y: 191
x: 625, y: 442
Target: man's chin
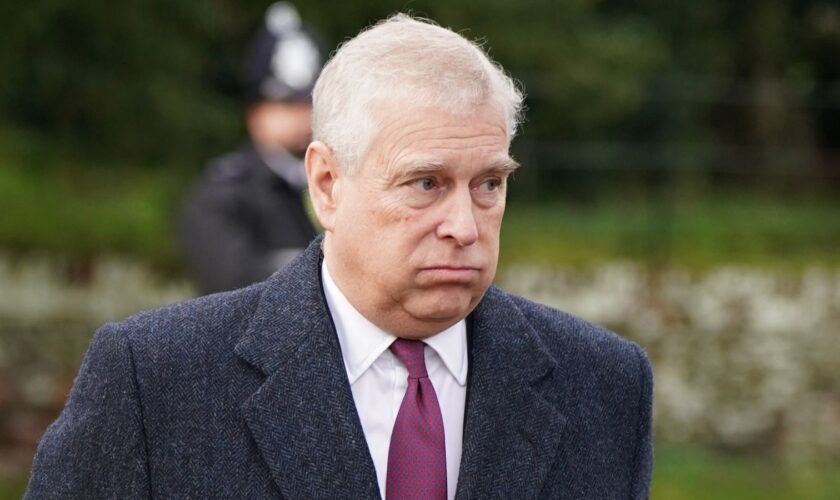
x: 444, y: 308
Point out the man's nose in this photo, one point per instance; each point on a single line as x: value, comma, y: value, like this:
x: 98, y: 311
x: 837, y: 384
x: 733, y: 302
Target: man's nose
x: 459, y: 219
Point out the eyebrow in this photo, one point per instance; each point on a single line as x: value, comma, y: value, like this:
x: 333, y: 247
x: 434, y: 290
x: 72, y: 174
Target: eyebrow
x: 506, y: 166
x: 423, y: 166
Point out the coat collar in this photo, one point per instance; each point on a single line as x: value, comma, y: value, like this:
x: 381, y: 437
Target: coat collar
x: 303, y: 417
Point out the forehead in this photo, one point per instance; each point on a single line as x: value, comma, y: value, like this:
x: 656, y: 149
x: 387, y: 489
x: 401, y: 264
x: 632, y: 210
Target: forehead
x: 410, y: 135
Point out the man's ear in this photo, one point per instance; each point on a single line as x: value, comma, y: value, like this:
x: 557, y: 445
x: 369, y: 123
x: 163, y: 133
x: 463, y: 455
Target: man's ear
x: 323, y: 174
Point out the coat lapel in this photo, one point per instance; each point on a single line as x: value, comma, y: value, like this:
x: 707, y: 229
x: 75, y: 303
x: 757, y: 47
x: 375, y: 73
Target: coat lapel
x: 303, y: 417
x: 511, y: 432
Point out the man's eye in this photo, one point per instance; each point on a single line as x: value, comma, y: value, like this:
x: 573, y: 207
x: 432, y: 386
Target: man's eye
x: 425, y: 184
x: 492, y: 184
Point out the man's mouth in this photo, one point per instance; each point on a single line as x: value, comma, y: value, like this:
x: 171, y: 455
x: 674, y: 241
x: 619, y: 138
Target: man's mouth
x: 451, y: 273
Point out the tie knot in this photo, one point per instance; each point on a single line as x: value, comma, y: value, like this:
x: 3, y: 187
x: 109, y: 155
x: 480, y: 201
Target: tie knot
x: 410, y: 352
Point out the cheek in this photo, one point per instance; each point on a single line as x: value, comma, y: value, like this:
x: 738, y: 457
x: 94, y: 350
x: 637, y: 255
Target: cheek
x: 403, y: 223
x: 491, y: 221
x: 390, y: 209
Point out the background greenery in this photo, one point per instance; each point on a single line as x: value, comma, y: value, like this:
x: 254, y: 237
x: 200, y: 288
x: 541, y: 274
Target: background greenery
x: 81, y: 212
x: 731, y: 89
x: 665, y: 132
x: 681, y: 112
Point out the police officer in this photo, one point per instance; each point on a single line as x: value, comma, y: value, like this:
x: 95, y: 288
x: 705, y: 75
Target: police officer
x: 246, y: 218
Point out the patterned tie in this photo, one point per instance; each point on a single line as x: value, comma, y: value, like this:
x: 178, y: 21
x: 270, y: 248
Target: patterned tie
x: 417, y: 456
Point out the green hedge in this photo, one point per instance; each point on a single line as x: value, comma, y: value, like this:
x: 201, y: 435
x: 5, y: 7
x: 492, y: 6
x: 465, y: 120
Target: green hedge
x: 80, y: 211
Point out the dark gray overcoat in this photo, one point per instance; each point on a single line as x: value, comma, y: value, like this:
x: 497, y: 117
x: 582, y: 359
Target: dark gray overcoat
x: 244, y: 395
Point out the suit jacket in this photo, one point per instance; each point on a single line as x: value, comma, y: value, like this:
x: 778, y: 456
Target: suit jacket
x: 245, y: 395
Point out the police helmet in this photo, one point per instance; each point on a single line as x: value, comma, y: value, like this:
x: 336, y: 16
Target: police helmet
x: 284, y: 58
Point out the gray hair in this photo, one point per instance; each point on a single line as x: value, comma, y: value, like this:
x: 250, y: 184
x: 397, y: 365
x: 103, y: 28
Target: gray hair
x: 404, y: 58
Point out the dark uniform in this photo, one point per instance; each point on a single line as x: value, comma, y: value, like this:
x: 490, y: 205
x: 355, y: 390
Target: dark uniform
x: 242, y: 222
x: 245, y: 217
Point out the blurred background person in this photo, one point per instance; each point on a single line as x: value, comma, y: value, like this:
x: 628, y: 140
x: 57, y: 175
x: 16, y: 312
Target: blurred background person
x: 245, y: 218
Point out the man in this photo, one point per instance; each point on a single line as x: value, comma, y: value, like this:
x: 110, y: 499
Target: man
x: 245, y: 218
x: 381, y: 362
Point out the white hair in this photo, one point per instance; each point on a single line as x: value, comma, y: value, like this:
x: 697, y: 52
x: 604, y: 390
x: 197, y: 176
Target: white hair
x: 404, y: 59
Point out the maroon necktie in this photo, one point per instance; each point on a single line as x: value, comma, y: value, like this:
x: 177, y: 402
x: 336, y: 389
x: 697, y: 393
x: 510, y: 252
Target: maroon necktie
x: 417, y: 455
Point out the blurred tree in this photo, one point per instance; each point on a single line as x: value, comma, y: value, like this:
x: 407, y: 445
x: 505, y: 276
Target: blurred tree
x: 820, y: 33
x: 146, y: 78
x: 614, y: 88
x: 136, y: 78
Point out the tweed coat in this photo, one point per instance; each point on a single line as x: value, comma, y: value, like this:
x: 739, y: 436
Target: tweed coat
x: 244, y: 394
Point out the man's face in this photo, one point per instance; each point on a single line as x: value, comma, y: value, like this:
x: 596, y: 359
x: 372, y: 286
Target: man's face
x: 281, y: 126
x: 415, y: 238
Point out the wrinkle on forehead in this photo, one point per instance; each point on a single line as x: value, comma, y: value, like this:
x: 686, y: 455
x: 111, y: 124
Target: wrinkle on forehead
x: 434, y: 134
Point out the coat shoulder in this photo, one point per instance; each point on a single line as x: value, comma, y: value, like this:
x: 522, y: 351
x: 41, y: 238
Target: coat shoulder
x: 226, y: 179
x: 233, y: 167
x: 181, y: 331
x: 577, y: 343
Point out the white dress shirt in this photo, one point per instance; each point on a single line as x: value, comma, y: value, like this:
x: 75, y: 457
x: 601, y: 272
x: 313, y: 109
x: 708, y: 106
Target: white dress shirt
x: 378, y: 380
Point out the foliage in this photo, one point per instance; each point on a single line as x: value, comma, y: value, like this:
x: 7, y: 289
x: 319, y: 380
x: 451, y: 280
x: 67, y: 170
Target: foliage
x: 78, y: 210
x: 131, y: 78
x: 700, y: 233
x: 692, y: 473
x: 12, y: 487
x: 157, y: 80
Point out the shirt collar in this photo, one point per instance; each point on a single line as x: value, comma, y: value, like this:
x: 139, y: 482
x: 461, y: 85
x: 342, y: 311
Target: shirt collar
x: 362, y: 342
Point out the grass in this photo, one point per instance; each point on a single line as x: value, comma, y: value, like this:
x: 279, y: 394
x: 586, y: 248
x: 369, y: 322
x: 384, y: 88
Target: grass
x: 690, y: 473
x: 82, y: 212
x: 751, y: 231
x: 12, y: 486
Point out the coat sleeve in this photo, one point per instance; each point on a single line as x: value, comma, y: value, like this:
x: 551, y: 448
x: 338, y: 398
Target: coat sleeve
x: 96, y: 448
x: 644, y: 439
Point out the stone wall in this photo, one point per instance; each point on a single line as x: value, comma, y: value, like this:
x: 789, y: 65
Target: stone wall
x: 48, y: 314
x: 743, y: 358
